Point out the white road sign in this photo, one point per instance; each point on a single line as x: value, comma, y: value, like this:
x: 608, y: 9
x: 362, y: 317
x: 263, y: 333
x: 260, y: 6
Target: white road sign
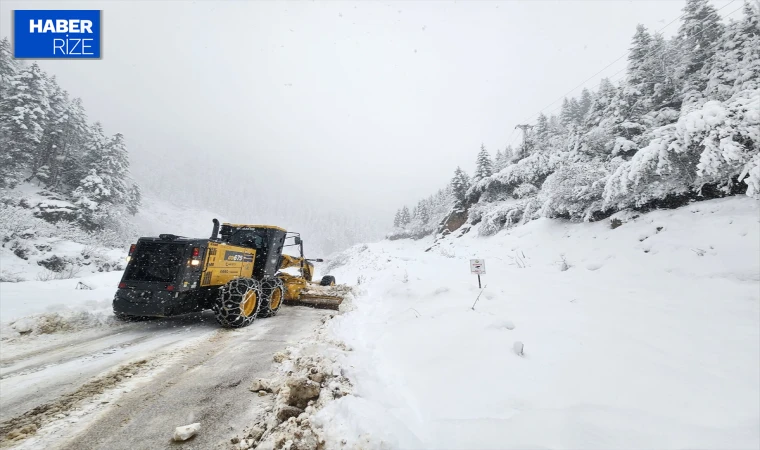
x: 478, y: 266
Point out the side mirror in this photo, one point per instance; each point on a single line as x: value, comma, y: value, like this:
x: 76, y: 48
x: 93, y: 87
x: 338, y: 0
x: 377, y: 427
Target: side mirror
x: 298, y: 240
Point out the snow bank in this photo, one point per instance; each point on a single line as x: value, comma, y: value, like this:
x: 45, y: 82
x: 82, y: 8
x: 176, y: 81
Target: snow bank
x: 645, y: 334
x: 44, y: 307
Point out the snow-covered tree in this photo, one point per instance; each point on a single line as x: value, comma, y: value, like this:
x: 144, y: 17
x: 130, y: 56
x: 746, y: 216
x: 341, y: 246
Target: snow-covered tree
x: 405, y: 217
x: 483, y: 165
x: 23, y: 115
x: 683, y: 124
x: 661, y: 64
x: 736, y: 63
x: 72, y: 162
x: 584, y: 104
x: 542, y: 126
x: 639, y: 87
x: 8, y: 66
x: 423, y: 211
x: 571, y: 112
x: 697, y: 37
x: 52, y: 139
x: 106, y: 188
x: 459, y: 185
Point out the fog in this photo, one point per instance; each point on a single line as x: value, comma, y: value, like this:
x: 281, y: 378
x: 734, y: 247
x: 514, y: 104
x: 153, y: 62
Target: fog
x: 353, y: 107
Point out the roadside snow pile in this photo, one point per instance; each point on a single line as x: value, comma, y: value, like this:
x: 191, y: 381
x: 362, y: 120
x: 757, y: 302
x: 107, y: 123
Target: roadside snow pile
x: 57, y: 322
x: 639, y: 331
x: 309, y: 379
x: 43, y: 307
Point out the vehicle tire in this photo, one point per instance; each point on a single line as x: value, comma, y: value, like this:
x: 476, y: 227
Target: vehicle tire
x: 273, y: 293
x: 238, y: 303
x: 327, y: 280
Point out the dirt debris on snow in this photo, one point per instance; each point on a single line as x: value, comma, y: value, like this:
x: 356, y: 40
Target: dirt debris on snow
x: 27, y: 424
x: 306, y: 382
x: 298, y: 397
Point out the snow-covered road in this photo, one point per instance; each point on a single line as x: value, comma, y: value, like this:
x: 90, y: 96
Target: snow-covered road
x: 129, y: 386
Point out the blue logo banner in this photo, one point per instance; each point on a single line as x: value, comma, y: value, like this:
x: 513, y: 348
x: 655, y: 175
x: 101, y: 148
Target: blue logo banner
x: 56, y: 34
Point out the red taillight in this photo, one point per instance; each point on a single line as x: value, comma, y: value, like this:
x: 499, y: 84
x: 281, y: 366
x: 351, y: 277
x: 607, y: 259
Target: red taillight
x: 122, y: 285
x: 196, y: 252
x: 132, y: 248
x: 170, y: 287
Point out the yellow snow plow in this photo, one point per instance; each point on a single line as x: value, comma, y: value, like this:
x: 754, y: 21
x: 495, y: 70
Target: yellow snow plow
x: 301, y: 290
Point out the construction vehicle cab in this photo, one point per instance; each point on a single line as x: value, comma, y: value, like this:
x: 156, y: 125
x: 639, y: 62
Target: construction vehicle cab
x: 236, y: 273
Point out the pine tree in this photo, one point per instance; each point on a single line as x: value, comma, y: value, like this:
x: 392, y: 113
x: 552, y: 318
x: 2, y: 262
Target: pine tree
x: 584, y: 105
x: 115, y: 166
x: 134, y: 199
x: 423, y: 210
x: 405, y: 216
x: 575, y: 110
x: 639, y: 87
x: 542, y: 126
x: 484, y: 166
x: 661, y: 64
x: 23, y: 114
x: 566, y: 112
x: 498, y: 161
x: 699, y: 32
x: 736, y: 63
x: 72, y: 162
x: 601, y: 103
x: 509, y: 155
x: 459, y: 185
x: 8, y: 66
x: 105, y: 187
x: 397, y: 219
x: 52, y: 137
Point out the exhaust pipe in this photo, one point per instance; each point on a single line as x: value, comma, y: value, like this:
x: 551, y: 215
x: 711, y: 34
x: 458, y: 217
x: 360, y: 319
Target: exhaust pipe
x: 215, y: 230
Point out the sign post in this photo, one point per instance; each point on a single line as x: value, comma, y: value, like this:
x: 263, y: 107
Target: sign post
x: 478, y: 266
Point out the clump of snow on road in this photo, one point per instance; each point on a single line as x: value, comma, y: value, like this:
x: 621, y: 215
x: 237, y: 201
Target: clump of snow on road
x: 185, y: 432
x: 639, y: 331
x: 309, y: 378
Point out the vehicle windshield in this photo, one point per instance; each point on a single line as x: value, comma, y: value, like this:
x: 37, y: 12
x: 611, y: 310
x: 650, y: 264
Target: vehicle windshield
x: 249, y: 239
x: 155, y: 261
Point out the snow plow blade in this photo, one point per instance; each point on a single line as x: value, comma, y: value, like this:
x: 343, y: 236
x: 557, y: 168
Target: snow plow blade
x: 322, y: 297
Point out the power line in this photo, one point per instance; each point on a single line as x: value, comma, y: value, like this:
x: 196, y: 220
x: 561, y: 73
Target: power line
x: 552, y: 111
x: 613, y: 62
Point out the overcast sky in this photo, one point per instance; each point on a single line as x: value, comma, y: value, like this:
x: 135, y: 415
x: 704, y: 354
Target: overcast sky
x: 369, y: 104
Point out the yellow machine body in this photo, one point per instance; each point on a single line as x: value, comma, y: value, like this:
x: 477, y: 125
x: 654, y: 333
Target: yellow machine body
x: 226, y: 262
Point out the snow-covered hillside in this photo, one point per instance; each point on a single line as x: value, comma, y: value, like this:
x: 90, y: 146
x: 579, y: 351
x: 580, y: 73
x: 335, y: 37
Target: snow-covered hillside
x: 639, y: 331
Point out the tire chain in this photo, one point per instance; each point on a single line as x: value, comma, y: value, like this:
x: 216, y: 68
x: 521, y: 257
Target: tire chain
x: 228, y: 306
x: 268, y: 287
